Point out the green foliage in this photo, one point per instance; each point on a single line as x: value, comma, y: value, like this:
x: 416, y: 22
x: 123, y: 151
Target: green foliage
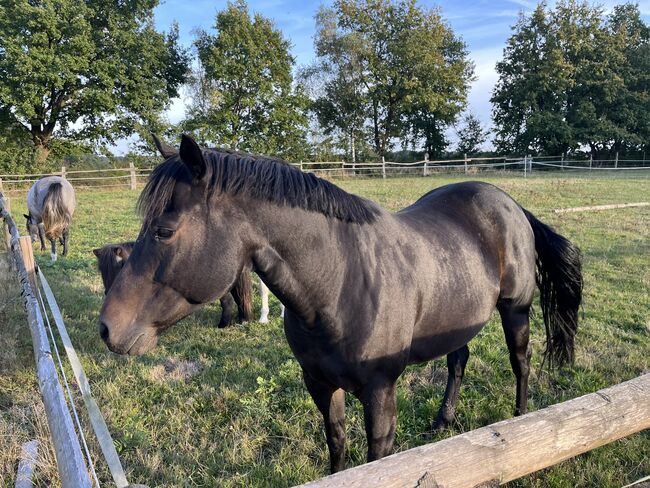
x: 242, y: 90
x: 89, y: 71
x: 571, y: 77
x: 386, y: 70
x: 471, y: 136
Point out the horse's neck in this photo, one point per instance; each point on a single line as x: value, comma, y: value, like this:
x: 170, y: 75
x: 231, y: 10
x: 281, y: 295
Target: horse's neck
x: 299, y: 257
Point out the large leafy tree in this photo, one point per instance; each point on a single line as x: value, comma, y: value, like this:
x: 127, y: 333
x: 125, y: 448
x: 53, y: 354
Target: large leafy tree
x: 91, y: 70
x: 243, y: 93
x: 571, y: 77
x: 391, y: 70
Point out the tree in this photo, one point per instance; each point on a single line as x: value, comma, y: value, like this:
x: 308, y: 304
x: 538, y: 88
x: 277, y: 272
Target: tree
x: 243, y: 93
x: 571, y: 77
x: 391, y: 67
x: 471, y: 136
x: 84, y: 70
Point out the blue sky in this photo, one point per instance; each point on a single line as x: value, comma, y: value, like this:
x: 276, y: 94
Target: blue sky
x: 484, y: 25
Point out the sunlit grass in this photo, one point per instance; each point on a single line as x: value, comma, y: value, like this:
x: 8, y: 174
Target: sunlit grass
x: 243, y: 417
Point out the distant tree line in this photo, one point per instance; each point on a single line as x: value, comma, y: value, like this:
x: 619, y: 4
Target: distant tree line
x: 390, y: 79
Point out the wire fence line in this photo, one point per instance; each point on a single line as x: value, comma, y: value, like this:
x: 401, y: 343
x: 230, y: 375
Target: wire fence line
x: 526, y: 166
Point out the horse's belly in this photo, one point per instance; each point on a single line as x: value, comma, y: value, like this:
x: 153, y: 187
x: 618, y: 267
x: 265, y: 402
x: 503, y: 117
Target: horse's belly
x: 441, y: 343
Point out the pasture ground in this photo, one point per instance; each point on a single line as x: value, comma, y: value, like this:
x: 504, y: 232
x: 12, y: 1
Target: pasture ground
x: 228, y: 408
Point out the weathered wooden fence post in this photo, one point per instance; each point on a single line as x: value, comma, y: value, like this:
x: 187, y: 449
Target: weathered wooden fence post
x: 591, y: 160
x: 426, y: 161
x: 132, y: 172
x: 1, y: 187
x: 26, y: 250
x: 465, y: 158
x: 530, y: 164
x: 525, y: 166
x: 301, y: 165
x: 383, y: 167
x: 616, y: 161
x: 63, y: 171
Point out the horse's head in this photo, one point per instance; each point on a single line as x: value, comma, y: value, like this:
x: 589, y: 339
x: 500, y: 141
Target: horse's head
x: 190, y: 250
x: 110, y: 261
x: 32, y: 227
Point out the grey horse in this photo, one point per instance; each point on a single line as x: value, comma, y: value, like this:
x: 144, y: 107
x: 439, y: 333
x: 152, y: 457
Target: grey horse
x: 51, y: 203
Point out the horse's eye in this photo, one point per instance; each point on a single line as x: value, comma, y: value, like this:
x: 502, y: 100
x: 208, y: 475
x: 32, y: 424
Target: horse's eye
x: 161, y: 234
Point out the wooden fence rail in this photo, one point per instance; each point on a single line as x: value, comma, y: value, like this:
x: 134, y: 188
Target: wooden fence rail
x: 512, y: 448
x: 70, y: 462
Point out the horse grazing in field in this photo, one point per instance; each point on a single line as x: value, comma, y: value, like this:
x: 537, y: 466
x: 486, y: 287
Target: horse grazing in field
x: 51, y: 203
x: 112, y: 257
x: 367, y: 291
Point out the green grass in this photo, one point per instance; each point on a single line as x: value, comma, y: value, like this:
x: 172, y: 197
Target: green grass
x: 243, y: 417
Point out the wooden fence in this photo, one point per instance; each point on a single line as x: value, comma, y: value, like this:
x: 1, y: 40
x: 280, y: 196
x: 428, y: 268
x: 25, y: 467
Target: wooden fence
x: 526, y: 165
x: 512, y: 448
x: 70, y: 461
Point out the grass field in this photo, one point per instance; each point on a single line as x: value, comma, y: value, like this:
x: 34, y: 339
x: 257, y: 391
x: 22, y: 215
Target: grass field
x: 226, y: 408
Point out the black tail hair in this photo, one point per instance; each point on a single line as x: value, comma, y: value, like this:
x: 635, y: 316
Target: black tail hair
x: 559, y: 278
x: 242, y: 292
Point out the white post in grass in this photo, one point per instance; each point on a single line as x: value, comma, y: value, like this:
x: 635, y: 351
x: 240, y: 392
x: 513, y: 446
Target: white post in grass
x: 616, y: 161
x: 465, y: 158
x: 62, y: 171
x: 591, y: 160
x: 383, y: 167
x: 301, y: 165
x: 426, y: 161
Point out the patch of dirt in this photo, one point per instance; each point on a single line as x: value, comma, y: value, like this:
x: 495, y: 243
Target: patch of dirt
x: 175, y: 370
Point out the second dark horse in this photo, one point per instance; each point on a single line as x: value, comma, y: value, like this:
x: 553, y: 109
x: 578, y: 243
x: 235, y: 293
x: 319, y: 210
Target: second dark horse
x: 112, y: 257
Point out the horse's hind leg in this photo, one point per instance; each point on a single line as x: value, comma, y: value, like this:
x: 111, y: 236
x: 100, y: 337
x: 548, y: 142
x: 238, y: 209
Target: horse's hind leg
x: 53, y: 251
x: 331, y: 403
x: 64, y: 242
x: 456, y: 362
x: 515, y: 320
x: 227, y: 308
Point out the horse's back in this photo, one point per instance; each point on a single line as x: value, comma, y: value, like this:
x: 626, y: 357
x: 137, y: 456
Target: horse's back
x: 39, y: 190
x: 482, y: 250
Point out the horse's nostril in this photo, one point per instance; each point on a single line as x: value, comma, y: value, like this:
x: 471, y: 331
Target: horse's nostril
x: 103, y: 331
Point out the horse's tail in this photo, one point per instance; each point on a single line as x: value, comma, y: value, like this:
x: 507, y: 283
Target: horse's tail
x: 56, y: 216
x: 243, y: 294
x: 559, y: 279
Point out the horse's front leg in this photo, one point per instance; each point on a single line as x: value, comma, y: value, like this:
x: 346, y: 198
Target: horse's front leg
x: 264, y: 313
x: 227, y: 308
x: 53, y: 251
x: 65, y: 242
x: 380, y: 415
x: 41, y: 235
x: 331, y: 403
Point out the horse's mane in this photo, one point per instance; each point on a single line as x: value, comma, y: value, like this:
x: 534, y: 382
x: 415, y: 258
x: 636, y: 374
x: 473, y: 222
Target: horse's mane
x: 260, y: 177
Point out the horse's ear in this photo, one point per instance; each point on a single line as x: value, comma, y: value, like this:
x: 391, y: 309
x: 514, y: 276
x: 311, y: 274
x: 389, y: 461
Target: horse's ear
x: 192, y: 156
x: 26, y: 216
x: 97, y: 251
x: 164, y: 149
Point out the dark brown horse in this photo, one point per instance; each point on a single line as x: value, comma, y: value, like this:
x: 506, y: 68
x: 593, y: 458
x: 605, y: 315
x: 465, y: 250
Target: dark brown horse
x: 112, y: 257
x: 367, y: 292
